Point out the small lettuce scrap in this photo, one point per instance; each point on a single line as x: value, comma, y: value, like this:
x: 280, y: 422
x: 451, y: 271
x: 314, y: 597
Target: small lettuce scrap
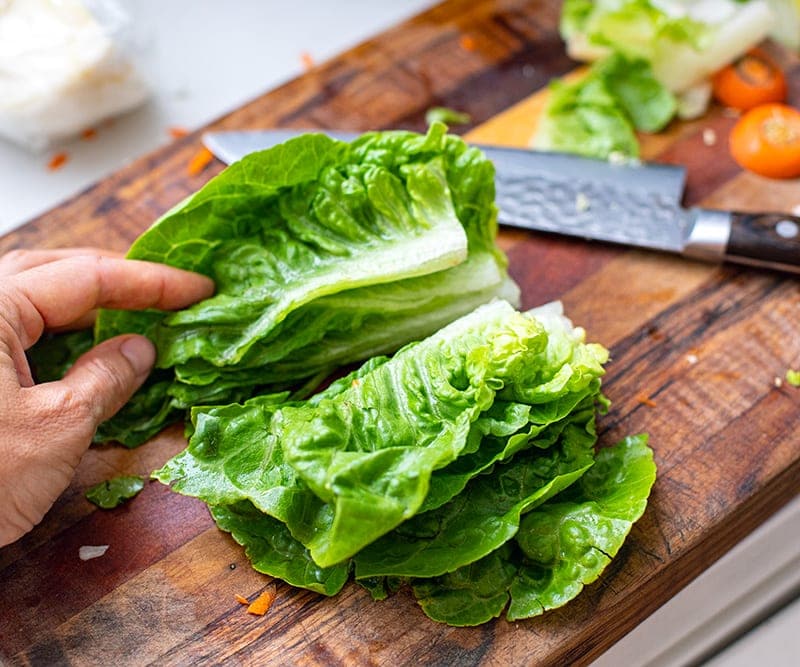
x: 425, y: 469
x: 115, y: 491
x: 447, y: 116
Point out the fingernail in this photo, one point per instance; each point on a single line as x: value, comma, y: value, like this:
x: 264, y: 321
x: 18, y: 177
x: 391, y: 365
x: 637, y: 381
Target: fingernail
x: 140, y: 352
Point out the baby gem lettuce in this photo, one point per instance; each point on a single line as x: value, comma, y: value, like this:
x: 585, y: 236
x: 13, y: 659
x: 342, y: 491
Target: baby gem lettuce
x: 323, y: 253
x: 464, y: 466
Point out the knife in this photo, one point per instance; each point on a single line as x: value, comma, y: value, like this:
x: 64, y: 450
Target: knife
x: 630, y: 203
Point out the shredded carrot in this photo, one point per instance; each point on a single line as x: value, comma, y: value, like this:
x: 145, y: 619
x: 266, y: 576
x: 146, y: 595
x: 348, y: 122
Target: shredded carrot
x: 467, y: 43
x: 177, y: 132
x: 57, y: 161
x: 89, y: 133
x: 242, y: 599
x: 263, y: 602
x: 646, y: 400
x: 307, y: 59
x: 199, y: 161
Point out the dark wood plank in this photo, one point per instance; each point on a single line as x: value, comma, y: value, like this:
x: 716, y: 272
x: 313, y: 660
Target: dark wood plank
x: 702, y: 344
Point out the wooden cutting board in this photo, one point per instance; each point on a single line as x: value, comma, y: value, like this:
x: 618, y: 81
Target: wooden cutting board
x: 695, y: 352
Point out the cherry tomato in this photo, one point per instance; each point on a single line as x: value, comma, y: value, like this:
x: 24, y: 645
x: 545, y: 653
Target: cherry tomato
x: 752, y: 80
x: 766, y: 140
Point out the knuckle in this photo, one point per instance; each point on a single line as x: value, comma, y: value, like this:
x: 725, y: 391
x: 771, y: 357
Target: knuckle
x: 108, y: 378
x: 66, y: 407
x: 15, y: 259
x: 21, y: 320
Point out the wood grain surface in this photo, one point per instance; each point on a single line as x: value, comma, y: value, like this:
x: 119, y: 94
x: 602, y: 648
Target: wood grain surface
x: 695, y: 351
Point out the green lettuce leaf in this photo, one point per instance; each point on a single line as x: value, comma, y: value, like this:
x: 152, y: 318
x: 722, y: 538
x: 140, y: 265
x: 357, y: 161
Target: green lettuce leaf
x: 598, y: 115
x: 471, y: 595
x: 323, y: 253
x: 115, y: 491
x: 648, y: 104
x: 486, y: 515
x: 584, y: 118
x: 567, y: 544
x: 560, y: 547
x: 272, y: 550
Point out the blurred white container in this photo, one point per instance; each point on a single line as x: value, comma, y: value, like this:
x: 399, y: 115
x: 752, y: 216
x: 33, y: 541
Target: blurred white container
x: 61, y: 70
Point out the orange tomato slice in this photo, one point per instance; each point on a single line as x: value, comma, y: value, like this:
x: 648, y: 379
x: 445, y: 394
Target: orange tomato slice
x: 766, y: 140
x: 752, y: 80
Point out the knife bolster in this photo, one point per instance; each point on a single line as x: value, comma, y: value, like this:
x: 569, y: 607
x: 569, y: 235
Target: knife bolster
x: 709, y: 236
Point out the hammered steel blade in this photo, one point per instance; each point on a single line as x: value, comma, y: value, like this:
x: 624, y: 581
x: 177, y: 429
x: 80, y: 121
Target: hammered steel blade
x: 592, y: 210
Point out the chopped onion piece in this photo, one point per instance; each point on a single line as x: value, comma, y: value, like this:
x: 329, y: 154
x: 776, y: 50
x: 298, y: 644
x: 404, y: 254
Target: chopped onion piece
x: 89, y: 552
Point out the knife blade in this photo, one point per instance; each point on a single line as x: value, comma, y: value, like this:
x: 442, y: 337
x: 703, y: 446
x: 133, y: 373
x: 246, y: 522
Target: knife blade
x: 635, y: 204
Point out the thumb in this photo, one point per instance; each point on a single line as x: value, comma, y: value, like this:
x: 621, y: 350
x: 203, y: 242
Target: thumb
x: 105, y: 377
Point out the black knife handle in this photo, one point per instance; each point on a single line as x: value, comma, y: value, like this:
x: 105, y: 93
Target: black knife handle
x: 765, y: 239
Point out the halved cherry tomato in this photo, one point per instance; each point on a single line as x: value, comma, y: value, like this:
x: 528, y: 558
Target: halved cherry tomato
x: 766, y: 140
x: 752, y: 80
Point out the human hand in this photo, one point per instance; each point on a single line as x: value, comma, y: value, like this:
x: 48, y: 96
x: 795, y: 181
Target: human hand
x: 46, y: 428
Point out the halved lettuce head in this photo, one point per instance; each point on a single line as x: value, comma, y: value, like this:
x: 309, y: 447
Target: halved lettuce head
x: 415, y: 468
x: 684, y: 41
x: 324, y: 253
x: 652, y: 59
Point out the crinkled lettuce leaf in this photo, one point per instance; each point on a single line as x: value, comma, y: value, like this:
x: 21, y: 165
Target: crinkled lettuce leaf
x: 647, y: 103
x: 486, y: 514
x: 370, y: 451
x: 324, y: 253
x: 560, y: 547
x: 272, y: 550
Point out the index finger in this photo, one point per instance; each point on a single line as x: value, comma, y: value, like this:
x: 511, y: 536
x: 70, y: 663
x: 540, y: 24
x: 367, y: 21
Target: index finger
x: 22, y: 259
x: 60, y: 292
